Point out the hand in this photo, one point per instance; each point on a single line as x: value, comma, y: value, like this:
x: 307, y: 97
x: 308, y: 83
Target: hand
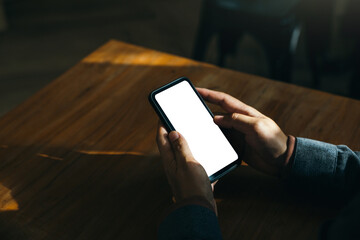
x: 187, y: 178
x: 266, y: 144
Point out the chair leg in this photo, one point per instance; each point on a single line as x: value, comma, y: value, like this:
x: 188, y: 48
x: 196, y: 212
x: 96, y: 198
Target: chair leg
x: 226, y: 45
x: 202, y: 41
x: 317, y: 33
x: 314, y: 68
x: 280, y: 61
x: 205, y: 31
x: 316, y: 47
x: 355, y: 85
x: 286, y: 67
x: 355, y: 81
x: 280, y: 50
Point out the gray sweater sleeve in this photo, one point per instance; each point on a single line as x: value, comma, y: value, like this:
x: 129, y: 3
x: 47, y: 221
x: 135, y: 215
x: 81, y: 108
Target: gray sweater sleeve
x: 190, y: 222
x: 330, y: 170
x: 324, y: 167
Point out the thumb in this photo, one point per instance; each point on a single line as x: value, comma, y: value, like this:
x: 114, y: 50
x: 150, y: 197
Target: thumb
x: 180, y: 147
x: 238, y: 121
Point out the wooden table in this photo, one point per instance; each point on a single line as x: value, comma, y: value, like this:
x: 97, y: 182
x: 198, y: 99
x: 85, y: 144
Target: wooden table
x: 79, y: 159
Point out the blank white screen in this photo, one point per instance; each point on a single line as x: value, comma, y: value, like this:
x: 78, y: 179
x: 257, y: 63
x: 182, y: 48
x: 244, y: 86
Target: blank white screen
x: 189, y: 117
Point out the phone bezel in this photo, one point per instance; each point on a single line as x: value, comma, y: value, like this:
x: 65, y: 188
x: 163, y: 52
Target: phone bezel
x: 169, y: 127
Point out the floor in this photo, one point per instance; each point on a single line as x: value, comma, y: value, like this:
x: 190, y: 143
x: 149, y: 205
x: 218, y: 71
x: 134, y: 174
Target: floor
x: 45, y: 38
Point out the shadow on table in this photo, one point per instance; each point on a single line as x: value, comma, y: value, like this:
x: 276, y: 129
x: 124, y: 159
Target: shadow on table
x: 257, y: 205
x: 62, y: 194
x: 76, y: 194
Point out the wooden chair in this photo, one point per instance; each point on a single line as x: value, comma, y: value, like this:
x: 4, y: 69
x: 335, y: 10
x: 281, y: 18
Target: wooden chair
x: 274, y: 25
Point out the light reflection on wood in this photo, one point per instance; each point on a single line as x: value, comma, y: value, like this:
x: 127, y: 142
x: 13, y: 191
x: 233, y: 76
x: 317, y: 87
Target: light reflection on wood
x: 50, y: 157
x: 136, y: 56
x: 89, y: 152
x: 7, y: 202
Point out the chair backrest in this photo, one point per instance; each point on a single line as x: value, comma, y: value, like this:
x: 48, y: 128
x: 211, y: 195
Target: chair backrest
x: 272, y: 8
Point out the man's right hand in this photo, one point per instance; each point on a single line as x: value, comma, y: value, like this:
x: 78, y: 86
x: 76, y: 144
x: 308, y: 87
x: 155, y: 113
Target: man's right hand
x: 266, y: 144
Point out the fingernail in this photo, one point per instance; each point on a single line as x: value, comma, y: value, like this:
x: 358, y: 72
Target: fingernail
x: 218, y: 118
x: 173, y: 136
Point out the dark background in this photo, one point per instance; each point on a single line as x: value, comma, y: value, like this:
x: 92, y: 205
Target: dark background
x: 43, y: 39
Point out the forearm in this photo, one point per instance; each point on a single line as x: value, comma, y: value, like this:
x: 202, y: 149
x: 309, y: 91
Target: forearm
x: 321, y: 167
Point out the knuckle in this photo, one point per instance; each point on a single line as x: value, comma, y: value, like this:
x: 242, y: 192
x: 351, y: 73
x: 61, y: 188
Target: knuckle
x: 189, y: 159
x: 178, y: 146
x: 258, y: 124
x: 234, y: 116
x: 221, y: 93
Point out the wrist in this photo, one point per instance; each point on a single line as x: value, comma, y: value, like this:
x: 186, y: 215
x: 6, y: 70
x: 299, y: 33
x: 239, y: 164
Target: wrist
x: 288, y: 157
x: 281, y: 148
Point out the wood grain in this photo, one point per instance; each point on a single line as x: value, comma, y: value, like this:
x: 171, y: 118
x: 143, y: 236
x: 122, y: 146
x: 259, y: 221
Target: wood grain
x: 79, y: 160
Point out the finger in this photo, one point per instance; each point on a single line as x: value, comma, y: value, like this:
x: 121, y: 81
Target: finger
x: 213, y: 185
x: 164, y: 144
x: 240, y: 122
x: 227, y: 102
x: 181, y: 148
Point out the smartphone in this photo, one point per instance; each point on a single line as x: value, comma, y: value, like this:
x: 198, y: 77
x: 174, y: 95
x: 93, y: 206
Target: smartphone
x: 180, y: 107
